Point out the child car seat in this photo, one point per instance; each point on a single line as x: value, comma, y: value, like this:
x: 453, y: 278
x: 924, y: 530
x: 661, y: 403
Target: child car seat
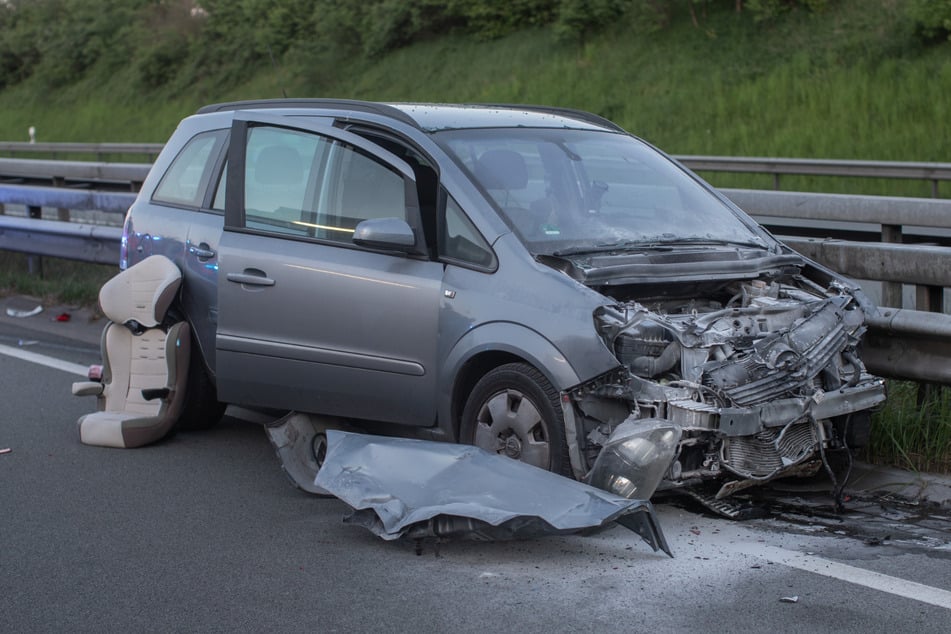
x: 145, y: 365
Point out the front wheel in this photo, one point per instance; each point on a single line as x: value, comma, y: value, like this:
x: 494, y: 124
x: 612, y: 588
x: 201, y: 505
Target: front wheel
x: 514, y: 411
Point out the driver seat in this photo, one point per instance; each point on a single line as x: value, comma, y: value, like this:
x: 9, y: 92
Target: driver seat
x: 145, y: 364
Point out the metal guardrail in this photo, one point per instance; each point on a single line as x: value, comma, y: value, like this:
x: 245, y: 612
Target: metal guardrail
x: 778, y: 167
x: 909, y: 344
x: 35, y: 198
x: 892, y: 219
x: 932, y: 172
x: 100, y: 150
x: 116, y: 176
x: 74, y: 241
x: 901, y: 343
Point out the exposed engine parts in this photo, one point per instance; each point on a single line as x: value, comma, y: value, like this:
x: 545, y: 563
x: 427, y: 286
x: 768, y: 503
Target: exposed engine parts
x: 761, y: 378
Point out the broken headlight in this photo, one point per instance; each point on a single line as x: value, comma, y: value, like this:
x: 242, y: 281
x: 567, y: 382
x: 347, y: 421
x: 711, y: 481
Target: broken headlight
x: 635, y: 458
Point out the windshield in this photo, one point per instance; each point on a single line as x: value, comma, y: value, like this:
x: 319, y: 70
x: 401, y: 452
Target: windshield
x: 572, y: 191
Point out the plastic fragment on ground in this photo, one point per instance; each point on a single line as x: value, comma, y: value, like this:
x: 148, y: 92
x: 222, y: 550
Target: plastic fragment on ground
x: 13, y: 312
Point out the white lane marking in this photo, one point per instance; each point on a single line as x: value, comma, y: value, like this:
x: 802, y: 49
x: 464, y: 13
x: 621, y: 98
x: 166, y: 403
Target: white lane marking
x: 42, y: 359
x: 851, y: 574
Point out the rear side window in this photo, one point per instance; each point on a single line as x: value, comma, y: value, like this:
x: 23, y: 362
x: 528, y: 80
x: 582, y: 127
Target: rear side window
x: 186, y: 180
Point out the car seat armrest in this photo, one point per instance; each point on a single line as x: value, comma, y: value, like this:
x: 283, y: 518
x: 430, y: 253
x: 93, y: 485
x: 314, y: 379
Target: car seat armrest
x: 88, y: 388
x: 150, y: 394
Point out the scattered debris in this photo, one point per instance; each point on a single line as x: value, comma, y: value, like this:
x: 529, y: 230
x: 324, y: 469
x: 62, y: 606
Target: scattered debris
x: 417, y: 489
x: 63, y: 317
x: 13, y: 312
x: 792, y: 599
x: 6, y: 450
x: 26, y: 342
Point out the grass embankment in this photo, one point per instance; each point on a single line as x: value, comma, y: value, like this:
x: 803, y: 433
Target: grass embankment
x: 850, y: 82
x: 913, y: 430
x: 61, y: 281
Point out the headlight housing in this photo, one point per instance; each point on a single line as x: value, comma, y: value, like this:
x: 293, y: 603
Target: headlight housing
x: 635, y: 457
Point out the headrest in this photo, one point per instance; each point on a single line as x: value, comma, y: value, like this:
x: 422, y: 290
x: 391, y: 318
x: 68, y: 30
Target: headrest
x: 142, y: 292
x: 502, y: 169
x: 278, y: 165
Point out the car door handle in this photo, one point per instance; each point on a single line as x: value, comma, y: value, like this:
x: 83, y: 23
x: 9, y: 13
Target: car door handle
x: 251, y: 279
x: 202, y: 251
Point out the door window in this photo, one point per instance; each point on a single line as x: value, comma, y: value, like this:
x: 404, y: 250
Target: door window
x: 281, y: 170
x: 359, y: 188
x: 307, y: 185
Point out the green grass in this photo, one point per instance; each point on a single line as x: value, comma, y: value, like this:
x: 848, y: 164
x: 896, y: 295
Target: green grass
x: 850, y: 82
x: 61, y: 281
x: 913, y: 431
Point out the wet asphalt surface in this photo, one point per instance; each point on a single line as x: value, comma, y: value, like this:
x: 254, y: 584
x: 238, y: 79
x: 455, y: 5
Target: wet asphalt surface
x: 202, y: 532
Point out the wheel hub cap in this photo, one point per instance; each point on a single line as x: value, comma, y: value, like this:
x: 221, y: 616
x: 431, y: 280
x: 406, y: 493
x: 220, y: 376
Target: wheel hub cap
x: 512, y: 447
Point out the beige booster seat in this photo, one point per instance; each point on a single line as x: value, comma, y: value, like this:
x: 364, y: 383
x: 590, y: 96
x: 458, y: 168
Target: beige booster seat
x: 145, y: 363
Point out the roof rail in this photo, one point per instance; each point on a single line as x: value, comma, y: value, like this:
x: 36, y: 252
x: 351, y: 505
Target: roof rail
x: 349, y: 104
x: 571, y: 113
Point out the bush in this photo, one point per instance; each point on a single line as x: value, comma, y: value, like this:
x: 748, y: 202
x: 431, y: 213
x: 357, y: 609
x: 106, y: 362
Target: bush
x: 932, y: 19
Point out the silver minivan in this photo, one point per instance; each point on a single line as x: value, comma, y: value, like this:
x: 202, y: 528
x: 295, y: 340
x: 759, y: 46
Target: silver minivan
x: 534, y: 281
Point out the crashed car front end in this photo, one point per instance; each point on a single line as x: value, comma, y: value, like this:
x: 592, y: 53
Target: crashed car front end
x: 758, y: 378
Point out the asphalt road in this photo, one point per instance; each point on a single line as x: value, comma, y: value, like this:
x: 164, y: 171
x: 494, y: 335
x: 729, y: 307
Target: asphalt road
x: 202, y: 532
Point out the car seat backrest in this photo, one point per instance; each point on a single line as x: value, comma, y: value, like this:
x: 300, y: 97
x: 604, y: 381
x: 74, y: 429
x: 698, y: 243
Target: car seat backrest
x: 142, y: 293
x: 502, y: 169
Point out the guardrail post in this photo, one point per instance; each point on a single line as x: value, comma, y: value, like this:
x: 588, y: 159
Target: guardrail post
x: 61, y: 213
x: 930, y: 299
x: 34, y: 263
x: 891, y: 291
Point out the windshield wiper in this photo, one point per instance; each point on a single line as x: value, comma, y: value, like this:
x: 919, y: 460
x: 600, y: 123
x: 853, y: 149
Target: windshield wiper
x: 611, y: 246
x: 656, y: 245
x: 716, y: 242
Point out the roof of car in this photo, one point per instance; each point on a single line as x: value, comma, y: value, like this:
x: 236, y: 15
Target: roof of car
x: 432, y: 117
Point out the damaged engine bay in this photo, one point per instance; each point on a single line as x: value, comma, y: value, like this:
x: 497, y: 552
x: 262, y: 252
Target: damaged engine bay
x: 759, y: 378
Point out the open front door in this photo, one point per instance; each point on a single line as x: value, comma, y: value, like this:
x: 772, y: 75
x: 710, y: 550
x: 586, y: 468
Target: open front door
x: 309, y: 320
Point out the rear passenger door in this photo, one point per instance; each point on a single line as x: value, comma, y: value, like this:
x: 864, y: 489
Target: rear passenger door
x: 308, y: 320
x: 184, y: 222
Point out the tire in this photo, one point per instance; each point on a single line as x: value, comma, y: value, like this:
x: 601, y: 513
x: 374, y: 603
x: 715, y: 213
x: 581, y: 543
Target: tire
x: 514, y: 411
x: 201, y: 409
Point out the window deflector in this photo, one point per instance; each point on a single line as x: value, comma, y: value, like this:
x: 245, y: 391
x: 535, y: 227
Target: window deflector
x: 234, y: 207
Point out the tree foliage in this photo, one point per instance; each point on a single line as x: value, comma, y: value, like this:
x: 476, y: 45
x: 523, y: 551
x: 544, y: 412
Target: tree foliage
x: 932, y: 18
x: 178, y: 42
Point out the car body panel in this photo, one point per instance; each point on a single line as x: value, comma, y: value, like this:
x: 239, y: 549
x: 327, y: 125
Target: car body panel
x: 341, y: 331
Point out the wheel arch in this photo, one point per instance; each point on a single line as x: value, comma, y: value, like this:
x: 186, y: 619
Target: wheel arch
x: 490, y: 346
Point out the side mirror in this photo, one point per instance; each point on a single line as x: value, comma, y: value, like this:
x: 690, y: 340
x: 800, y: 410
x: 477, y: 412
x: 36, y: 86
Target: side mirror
x: 385, y: 233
